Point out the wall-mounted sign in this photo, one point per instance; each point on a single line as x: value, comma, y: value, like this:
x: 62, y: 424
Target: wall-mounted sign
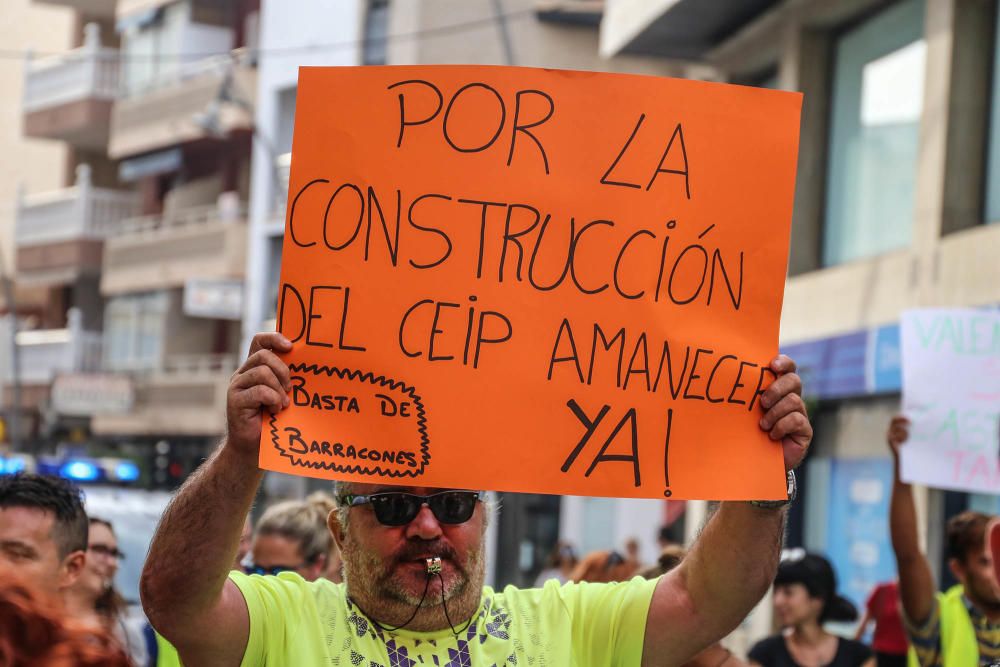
x: 215, y: 298
x: 87, y: 394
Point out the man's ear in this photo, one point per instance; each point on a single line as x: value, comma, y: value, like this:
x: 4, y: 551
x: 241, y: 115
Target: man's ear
x: 957, y: 569
x: 337, y: 530
x: 71, y: 568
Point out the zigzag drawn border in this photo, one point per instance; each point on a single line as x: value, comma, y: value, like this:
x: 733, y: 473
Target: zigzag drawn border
x: 370, y: 378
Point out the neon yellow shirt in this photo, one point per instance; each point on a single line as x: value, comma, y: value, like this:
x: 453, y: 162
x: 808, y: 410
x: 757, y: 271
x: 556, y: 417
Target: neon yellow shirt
x: 294, y: 622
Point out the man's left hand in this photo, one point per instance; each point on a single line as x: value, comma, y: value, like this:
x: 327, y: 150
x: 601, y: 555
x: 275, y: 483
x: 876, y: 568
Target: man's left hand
x: 785, y: 418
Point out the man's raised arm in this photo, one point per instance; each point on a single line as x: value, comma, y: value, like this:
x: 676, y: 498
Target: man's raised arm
x: 734, y: 561
x: 185, y: 591
x: 916, y: 583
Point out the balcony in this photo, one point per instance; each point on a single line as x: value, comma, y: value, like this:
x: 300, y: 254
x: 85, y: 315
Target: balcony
x: 104, y: 9
x: 681, y: 29
x: 46, y: 353
x: 58, y: 235
x: 186, y: 395
x: 163, y: 251
x: 68, y: 97
x: 184, y: 107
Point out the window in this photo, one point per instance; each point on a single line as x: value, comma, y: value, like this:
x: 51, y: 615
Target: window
x: 376, y: 33
x: 993, y: 157
x: 877, y: 101
x: 134, y: 331
x: 154, y: 43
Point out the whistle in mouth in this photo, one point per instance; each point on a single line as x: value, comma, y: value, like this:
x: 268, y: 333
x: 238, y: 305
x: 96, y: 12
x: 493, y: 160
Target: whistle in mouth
x: 433, y: 566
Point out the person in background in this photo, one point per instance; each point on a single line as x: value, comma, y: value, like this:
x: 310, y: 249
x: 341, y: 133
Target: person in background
x: 889, y: 640
x: 35, y: 633
x: 664, y: 538
x: 960, y: 627
x: 95, y: 603
x: 608, y: 566
x: 670, y: 557
x: 334, y: 564
x: 292, y: 536
x: 805, y: 597
x: 559, y: 565
x: 715, y: 655
x: 43, y: 531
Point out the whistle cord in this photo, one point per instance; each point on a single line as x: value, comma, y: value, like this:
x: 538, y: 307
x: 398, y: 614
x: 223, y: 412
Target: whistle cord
x: 444, y: 605
x: 416, y: 610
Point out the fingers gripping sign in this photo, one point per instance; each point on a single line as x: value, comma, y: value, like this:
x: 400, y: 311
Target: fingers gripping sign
x: 261, y: 383
x: 785, y: 418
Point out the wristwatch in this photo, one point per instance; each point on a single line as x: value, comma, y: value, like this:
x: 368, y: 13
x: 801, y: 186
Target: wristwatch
x: 775, y: 504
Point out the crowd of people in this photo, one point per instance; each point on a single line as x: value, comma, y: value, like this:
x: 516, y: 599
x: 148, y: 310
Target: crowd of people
x: 394, y: 576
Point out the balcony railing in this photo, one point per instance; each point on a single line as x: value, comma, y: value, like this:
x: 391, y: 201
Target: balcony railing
x: 183, y: 395
x: 197, y: 365
x: 89, y: 72
x: 184, y: 104
x: 97, y: 8
x: 45, y: 353
x: 78, y: 212
x: 164, y: 251
x: 188, y: 218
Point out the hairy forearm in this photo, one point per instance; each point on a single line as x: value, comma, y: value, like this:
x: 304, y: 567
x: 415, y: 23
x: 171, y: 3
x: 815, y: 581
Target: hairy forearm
x: 732, y: 564
x: 197, y: 539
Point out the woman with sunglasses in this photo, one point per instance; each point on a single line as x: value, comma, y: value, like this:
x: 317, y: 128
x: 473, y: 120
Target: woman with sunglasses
x: 805, y: 597
x: 292, y: 537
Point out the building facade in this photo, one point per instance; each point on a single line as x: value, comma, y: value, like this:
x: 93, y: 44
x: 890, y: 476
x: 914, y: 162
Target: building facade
x: 897, y: 192
x: 304, y: 33
x: 141, y: 255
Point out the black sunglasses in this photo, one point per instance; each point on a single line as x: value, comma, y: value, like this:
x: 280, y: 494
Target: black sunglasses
x: 105, y: 550
x: 253, y: 568
x: 396, y: 508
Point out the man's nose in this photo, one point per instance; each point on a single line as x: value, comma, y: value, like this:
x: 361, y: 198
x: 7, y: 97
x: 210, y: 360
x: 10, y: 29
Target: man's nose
x: 425, y: 525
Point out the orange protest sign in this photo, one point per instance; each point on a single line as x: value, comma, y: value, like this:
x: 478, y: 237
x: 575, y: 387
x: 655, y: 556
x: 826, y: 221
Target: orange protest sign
x: 534, y: 280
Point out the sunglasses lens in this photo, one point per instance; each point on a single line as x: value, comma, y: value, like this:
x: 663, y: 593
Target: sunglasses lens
x: 453, y: 506
x: 395, y: 509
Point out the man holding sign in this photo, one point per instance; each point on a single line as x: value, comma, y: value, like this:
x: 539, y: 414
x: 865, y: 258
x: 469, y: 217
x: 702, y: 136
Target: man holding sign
x: 509, y: 279
x: 413, y: 565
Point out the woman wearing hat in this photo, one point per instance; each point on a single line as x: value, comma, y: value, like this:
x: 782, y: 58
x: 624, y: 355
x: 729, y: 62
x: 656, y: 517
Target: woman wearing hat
x: 805, y: 597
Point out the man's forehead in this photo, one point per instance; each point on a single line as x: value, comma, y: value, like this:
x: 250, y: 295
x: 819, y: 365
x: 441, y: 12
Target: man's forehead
x: 26, y: 523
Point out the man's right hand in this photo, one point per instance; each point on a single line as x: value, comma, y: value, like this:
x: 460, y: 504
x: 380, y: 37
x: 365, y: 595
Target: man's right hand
x: 261, y: 383
x: 899, y: 432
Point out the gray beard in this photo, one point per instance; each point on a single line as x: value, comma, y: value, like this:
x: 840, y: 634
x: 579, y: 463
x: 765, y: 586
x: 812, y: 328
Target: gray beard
x: 378, y: 588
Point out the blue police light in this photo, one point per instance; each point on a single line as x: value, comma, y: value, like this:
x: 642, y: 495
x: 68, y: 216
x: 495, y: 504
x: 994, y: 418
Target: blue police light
x: 126, y: 471
x: 80, y: 470
x: 13, y: 465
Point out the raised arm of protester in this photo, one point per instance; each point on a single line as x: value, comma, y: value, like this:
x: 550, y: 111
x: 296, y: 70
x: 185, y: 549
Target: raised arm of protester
x: 916, y: 583
x: 184, y: 587
x: 734, y: 561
